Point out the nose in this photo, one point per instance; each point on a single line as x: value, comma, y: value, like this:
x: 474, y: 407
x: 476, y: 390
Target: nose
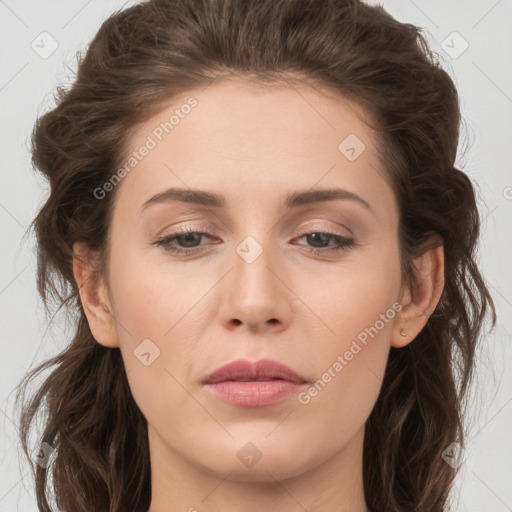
x: 255, y: 295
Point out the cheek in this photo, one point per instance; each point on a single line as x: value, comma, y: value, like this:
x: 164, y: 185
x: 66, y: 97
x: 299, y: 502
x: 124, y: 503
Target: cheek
x: 348, y: 296
x: 156, y: 321
x: 153, y: 311
x: 357, y: 306
x: 149, y: 297
x: 349, y: 371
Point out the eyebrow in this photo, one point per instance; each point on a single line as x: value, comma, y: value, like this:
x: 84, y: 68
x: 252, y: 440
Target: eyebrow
x: 214, y: 200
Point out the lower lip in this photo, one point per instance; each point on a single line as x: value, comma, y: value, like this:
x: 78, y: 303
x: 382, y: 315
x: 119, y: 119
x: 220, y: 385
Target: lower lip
x: 255, y: 393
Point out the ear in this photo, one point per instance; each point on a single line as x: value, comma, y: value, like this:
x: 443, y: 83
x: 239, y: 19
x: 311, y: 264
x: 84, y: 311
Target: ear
x: 420, y: 302
x: 94, y: 295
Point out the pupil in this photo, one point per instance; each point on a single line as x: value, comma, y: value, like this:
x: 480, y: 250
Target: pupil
x: 189, y: 237
x: 316, y: 237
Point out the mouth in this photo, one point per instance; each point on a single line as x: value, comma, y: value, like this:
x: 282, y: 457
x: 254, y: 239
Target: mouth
x: 259, y: 379
x: 259, y: 384
x: 263, y: 370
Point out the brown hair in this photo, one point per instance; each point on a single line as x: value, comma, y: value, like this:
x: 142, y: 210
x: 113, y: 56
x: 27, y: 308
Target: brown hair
x: 140, y: 59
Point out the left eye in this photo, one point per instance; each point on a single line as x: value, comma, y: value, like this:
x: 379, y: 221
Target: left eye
x: 320, y: 237
x: 190, y: 240
x: 341, y: 243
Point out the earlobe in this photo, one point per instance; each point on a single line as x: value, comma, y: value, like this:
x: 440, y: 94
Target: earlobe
x: 423, y: 299
x: 94, y: 296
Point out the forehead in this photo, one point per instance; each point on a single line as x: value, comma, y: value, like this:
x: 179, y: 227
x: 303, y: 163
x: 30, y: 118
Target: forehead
x: 235, y: 135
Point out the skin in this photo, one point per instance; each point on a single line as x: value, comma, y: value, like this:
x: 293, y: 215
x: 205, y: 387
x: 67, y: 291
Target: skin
x: 255, y: 145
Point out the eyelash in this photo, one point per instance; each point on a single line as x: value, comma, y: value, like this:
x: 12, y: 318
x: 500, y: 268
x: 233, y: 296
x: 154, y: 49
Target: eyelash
x: 344, y: 243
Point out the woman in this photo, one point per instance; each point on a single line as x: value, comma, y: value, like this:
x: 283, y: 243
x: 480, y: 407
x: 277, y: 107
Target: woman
x: 256, y: 215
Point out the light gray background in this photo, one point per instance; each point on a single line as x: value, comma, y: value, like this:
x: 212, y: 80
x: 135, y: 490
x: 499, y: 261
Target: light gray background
x: 483, y: 75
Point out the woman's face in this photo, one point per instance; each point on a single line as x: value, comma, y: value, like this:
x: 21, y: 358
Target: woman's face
x: 258, y: 283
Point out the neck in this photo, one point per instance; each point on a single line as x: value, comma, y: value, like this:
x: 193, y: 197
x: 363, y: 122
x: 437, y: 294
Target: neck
x: 334, y: 485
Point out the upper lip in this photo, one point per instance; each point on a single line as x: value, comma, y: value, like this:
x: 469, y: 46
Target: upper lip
x: 247, y: 370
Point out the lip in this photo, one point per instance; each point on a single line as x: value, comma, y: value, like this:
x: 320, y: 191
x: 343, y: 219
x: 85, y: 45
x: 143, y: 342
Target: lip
x: 254, y: 384
x: 259, y: 370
